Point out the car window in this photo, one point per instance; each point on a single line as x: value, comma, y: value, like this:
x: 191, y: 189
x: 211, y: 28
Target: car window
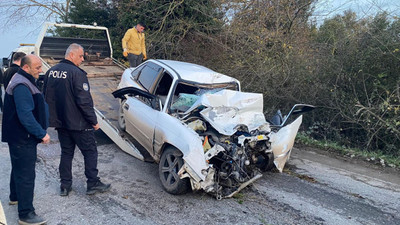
x: 163, y: 87
x: 136, y: 72
x: 164, y: 84
x: 148, y: 75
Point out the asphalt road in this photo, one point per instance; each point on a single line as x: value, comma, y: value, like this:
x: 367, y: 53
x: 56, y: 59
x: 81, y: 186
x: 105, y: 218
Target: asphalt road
x: 314, y: 189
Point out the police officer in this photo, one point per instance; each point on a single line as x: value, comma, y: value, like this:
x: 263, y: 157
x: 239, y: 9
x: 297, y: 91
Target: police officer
x: 67, y: 91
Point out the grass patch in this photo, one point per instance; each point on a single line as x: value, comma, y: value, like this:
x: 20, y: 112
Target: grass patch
x: 239, y: 197
x: 376, y: 157
x: 263, y: 221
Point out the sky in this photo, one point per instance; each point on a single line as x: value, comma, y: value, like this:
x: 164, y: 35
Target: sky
x: 27, y: 34
x: 10, y: 39
x: 363, y: 8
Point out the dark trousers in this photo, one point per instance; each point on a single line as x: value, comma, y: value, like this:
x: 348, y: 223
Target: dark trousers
x: 86, y: 142
x: 135, y: 60
x: 1, y: 98
x: 22, y: 179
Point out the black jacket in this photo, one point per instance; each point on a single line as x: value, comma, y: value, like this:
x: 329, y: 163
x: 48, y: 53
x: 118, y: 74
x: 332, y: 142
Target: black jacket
x: 67, y: 91
x: 25, y: 116
x: 9, y: 73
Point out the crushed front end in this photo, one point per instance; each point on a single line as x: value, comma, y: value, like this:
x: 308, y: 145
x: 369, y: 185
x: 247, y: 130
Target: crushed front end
x: 236, y: 142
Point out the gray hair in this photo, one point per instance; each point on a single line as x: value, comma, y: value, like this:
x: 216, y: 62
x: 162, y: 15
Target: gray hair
x: 71, y: 48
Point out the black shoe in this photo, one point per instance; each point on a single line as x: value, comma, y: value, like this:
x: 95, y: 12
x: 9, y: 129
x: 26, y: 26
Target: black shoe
x: 98, y: 187
x: 65, y: 191
x: 31, y: 219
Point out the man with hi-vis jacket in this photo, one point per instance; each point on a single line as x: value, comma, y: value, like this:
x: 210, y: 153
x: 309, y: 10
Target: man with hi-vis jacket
x: 67, y: 91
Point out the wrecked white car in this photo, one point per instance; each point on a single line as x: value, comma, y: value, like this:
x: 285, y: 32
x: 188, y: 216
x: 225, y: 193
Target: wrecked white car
x: 201, y: 129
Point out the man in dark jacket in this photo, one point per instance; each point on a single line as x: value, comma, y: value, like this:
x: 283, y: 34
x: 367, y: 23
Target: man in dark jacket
x: 25, y: 120
x: 9, y: 73
x: 67, y: 91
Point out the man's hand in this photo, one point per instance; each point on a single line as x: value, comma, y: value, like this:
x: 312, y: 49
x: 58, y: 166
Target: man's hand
x: 46, y: 139
x: 96, y: 127
x: 144, y: 57
x: 125, y: 53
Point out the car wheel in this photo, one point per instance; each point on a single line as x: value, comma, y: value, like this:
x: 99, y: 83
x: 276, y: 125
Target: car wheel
x: 269, y: 162
x: 266, y: 162
x: 121, y: 116
x: 170, y: 163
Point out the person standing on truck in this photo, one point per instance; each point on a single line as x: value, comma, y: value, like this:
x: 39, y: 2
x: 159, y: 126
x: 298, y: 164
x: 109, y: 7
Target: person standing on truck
x: 67, y: 91
x: 16, y: 62
x: 25, y: 120
x: 134, y: 46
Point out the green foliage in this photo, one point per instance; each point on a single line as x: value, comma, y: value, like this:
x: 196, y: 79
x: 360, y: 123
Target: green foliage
x: 91, y: 11
x: 378, y: 157
x: 263, y: 46
x: 363, y: 108
x: 239, y: 197
x: 172, y: 26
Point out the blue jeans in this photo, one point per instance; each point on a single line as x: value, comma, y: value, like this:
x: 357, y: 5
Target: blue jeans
x: 22, y: 179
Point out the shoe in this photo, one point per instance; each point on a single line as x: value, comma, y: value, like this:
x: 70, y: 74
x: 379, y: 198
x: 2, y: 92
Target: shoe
x: 65, y: 191
x: 31, y: 219
x: 13, y: 202
x: 98, y: 187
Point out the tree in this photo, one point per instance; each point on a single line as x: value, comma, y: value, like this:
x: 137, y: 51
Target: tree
x: 265, y: 45
x: 172, y: 25
x: 360, y: 79
x: 33, y: 11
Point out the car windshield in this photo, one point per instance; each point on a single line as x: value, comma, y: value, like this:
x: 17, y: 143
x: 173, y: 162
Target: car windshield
x: 186, y: 94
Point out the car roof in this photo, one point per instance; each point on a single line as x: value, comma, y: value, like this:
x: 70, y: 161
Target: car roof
x: 197, y: 73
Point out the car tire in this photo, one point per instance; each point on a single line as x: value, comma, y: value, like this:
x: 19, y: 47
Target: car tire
x: 170, y: 163
x: 268, y: 162
x: 265, y: 162
x: 121, y: 116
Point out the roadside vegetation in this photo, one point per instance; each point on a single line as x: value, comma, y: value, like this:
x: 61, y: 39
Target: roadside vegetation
x: 375, y: 157
x: 349, y: 67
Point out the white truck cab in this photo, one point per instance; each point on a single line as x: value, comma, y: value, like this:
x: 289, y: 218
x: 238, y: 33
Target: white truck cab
x: 25, y: 48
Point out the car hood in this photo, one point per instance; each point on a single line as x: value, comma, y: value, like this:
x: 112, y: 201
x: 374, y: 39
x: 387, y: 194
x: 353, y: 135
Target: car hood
x: 226, y: 109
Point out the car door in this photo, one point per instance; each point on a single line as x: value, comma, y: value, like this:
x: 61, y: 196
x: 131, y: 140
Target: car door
x: 140, y: 120
x: 140, y: 116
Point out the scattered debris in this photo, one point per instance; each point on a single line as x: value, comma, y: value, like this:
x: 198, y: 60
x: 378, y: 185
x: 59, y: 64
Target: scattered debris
x: 357, y: 195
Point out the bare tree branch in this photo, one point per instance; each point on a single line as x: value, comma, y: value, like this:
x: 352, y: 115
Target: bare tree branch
x: 26, y: 11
